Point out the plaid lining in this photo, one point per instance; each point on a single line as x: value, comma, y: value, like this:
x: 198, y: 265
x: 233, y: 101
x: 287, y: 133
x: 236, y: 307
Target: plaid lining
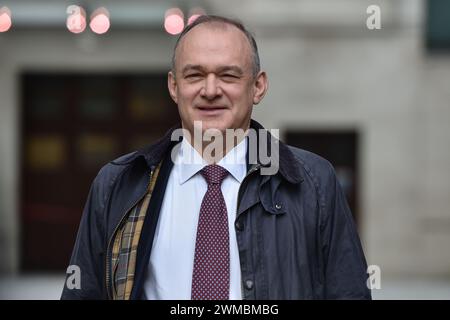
x: 126, y: 242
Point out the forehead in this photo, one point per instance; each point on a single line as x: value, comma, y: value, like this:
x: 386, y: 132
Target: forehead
x: 211, y: 44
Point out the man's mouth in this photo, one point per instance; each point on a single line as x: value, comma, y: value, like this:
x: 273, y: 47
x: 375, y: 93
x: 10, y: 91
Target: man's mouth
x: 206, y: 108
x: 211, y: 110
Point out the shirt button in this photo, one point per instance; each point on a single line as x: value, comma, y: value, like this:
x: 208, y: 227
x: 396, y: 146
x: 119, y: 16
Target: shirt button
x: 249, y: 284
x: 239, y: 225
x: 278, y: 206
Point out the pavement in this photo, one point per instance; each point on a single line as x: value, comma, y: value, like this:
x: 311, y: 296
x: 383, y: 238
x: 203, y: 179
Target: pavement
x: 49, y: 287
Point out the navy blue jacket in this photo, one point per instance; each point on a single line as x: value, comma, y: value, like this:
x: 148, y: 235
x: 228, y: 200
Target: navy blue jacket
x: 295, y: 232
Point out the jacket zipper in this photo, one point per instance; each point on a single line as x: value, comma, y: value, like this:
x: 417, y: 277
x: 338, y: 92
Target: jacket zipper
x: 108, y: 251
x: 252, y: 170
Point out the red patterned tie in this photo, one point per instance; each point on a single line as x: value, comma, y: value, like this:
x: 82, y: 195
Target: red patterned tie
x: 211, y: 275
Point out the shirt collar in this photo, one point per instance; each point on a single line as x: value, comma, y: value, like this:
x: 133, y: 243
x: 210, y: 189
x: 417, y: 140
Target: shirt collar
x: 189, y: 161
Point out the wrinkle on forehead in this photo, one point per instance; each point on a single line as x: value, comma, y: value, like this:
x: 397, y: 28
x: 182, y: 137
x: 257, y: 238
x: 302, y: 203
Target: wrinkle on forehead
x: 211, y: 27
x: 214, y: 25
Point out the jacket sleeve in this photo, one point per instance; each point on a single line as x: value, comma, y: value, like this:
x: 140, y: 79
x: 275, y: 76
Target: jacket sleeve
x: 85, y: 274
x: 345, y: 264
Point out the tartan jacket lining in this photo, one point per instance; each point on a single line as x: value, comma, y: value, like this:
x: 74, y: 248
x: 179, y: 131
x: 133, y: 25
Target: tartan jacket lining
x: 126, y: 243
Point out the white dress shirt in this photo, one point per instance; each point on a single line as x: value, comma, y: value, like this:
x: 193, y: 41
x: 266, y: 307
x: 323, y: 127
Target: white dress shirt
x: 169, y: 272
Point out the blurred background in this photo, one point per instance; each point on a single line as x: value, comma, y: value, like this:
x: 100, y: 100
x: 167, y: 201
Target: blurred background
x: 375, y: 102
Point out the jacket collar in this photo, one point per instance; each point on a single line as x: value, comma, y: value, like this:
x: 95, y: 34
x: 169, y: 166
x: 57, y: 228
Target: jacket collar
x: 289, y: 167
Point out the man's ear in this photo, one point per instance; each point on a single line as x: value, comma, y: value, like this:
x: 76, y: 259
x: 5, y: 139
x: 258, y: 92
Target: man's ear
x: 260, y: 87
x: 172, y: 85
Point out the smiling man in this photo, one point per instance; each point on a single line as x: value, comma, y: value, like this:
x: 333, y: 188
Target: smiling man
x: 175, y: 221
x: 216, y: 77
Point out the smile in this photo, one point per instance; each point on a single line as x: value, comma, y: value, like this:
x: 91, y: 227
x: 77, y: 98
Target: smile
x: 211, y: 110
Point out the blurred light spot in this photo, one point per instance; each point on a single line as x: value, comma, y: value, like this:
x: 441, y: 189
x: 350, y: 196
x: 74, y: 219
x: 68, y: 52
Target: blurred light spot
x: 193, y: 18
x: 76, y: 21
x: 100, y: 21
x: 5, y: 19
x: 174, y: 21
x: 194, y: 14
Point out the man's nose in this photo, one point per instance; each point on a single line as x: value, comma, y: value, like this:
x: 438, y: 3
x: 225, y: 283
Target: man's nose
x: 211, y: 88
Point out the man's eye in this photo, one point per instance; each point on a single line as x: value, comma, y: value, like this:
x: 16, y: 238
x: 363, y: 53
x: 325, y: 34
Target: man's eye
x: 227, y: 75
x: 193, y: 75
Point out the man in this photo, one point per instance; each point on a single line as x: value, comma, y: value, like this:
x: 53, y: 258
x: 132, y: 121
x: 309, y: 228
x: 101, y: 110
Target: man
x: 174, y: 221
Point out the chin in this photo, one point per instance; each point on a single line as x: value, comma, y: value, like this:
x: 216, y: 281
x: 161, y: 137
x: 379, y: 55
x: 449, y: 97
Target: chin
x: 214, y: 124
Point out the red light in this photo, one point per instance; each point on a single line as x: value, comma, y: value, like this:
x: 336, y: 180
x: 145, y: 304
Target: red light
x: 5, y: 19
x: 194, y: 14
x: 174, y: 21
x: 76, y: 21
x: 193, y: 18
x: 100, y: 21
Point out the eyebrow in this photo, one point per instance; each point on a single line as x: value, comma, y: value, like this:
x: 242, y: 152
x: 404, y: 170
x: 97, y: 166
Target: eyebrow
x: 233, y: 68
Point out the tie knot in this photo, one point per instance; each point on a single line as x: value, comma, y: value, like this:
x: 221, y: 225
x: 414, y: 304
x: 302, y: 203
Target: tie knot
x: 214, y: 174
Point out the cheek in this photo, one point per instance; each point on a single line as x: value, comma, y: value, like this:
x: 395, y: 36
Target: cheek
x: 242, y: 97
x: 187, y: 94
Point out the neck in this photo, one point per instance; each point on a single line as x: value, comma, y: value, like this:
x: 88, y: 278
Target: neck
x: 214, y: 147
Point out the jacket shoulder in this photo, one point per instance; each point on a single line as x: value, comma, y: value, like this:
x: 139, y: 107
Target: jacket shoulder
x: 312, y: 164
x: 108, y: 174
x: 117, y: 165
x: 318, y: 171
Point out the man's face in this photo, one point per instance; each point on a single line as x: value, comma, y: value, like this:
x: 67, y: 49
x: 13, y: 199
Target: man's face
x: 213, y: 81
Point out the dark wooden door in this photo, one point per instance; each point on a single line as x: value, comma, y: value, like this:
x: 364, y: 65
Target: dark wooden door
x: 72, y: 124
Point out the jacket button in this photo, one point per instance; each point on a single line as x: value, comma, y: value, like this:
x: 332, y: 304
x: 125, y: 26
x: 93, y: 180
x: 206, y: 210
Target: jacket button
x: 249, y: 284
x: 278, y: 206
x: 239, y: 225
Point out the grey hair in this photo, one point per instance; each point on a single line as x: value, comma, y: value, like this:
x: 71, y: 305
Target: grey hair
x: 256, y: 67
